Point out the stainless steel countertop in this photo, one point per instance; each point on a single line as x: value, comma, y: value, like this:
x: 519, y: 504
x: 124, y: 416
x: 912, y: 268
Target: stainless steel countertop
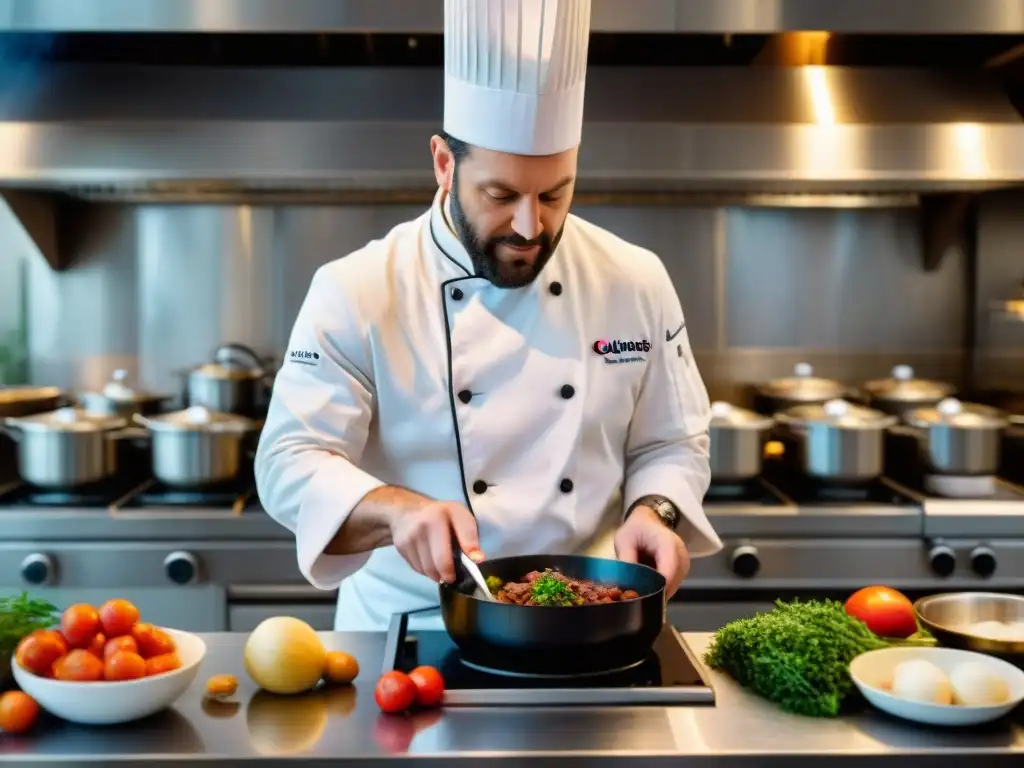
x: 344, y: 724
x: 157, y: 524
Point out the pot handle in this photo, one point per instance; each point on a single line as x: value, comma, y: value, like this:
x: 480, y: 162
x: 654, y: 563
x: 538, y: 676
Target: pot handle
x: 141, y: 420
x: 226, y: 354
x: 905, y: 430
x: 130, y: 434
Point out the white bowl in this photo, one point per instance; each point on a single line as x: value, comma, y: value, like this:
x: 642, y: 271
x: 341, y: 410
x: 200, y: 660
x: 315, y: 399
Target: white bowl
x: 103, y: 703
x: 873, y: 671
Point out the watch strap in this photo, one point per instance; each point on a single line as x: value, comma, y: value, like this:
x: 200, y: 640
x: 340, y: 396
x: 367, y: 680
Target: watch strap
x: 662, y: 507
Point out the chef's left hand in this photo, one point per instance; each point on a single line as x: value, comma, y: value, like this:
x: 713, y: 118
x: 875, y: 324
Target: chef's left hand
x: 644, y: 535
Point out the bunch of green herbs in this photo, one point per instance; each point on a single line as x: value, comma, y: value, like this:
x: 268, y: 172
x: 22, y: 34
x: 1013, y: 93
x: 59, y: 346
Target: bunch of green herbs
x: 798, y: 655
x: 20, y: 616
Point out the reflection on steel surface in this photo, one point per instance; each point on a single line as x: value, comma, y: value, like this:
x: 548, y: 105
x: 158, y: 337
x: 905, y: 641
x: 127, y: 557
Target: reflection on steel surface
x: 781, y: 129
x: 714, y: 16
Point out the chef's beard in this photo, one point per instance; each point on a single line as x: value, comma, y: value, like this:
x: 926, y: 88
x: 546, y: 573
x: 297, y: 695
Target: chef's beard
x: 483, y: 252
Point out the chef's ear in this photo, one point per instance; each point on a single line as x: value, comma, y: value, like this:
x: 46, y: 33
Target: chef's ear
x: 444, y: 163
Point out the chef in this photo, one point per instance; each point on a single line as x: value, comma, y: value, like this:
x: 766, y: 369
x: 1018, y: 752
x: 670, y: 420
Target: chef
x: 497, y: 372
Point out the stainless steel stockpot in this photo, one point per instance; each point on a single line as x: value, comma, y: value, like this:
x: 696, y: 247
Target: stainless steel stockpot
x: 66, y: 448
x: 737, y: 442
x: 197, y: 447
x: 838, y: 441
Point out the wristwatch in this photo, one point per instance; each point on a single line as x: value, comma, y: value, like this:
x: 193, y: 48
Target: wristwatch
x: 666, y: 511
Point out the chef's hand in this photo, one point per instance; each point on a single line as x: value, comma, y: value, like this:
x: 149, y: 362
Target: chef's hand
x: 424, y: 538
x: 644, y: 534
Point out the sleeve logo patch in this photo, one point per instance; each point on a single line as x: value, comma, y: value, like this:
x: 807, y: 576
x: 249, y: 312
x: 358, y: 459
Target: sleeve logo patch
x: 304, y: 357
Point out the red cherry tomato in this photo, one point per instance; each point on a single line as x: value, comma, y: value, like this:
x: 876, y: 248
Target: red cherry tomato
x: 395, y: 692
x: 887, y: 613
x: 429, y: 686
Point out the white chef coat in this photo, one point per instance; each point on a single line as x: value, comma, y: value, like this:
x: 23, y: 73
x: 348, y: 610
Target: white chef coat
x: 546, y: 409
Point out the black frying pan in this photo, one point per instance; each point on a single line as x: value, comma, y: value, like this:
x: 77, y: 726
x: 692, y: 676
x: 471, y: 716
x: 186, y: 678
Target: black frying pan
x: 554, y: 640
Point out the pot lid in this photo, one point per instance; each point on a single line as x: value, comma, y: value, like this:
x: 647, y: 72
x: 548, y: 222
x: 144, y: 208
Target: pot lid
x: 954, y: 413
x: 804, y: 386
x: 117, y: 389
x: 67, y: 420
x: 21, y: 394
x: 838, y: 413
x: 902, y: 386
x: 196, y: 418
x: 227, y: 370
x: 729, y: 416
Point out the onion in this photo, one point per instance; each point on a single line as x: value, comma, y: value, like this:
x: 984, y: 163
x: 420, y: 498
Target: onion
x: 284, y: 655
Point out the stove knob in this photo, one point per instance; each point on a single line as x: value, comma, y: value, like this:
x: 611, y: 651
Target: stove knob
x: 181, y: 567
x: 38, y: 569
x: 745, y: 562
x: 942, y: 560
x: 983, y: 562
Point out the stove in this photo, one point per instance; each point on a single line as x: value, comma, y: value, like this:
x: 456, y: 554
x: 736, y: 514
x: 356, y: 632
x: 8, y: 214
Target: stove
x: 238, y: 496
x: 98, y: 496
x: 669, y: 675
x: 755, y: 491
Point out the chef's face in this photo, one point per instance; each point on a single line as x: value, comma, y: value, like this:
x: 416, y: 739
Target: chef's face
x: 508, y: 210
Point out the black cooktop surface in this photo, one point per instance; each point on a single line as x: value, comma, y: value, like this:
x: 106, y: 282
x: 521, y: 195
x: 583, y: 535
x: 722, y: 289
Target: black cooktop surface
x: 667, y: 676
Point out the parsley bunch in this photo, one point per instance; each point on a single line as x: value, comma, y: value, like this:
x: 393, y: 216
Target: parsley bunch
x: 20, y: 616
x: 798, y: 655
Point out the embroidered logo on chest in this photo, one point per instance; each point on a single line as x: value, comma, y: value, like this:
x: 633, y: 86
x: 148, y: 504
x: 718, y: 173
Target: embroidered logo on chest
x: 615, y: 351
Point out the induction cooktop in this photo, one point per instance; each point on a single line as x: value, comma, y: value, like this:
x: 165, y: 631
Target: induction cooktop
x: 669, y: 675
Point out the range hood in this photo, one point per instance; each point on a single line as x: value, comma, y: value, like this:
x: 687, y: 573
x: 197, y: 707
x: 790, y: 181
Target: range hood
x: 957, y: 17
x: 196, y: 133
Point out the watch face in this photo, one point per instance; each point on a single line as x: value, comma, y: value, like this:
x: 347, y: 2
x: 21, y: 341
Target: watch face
x: 668, y: 514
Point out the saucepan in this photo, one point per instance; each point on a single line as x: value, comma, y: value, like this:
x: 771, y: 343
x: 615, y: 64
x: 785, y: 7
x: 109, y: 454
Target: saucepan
x: 555, y: 640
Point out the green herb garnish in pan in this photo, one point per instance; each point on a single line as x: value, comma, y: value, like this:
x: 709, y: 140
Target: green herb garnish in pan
x: 549, y: 590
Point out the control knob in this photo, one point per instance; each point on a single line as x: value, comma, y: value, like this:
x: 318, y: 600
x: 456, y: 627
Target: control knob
x: 942, y: 560
x: 745, y: 561
x: 181, y: 568
x: 38, y: 569
x: 983, y: 562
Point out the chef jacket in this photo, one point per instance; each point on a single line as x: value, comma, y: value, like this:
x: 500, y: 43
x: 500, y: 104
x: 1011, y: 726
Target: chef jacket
x: 547, y: 410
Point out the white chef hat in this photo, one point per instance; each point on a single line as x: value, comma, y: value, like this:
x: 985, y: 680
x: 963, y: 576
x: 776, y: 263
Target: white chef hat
x: 515, y: 72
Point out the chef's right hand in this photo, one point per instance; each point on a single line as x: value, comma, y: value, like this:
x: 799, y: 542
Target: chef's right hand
x: 424, y: 538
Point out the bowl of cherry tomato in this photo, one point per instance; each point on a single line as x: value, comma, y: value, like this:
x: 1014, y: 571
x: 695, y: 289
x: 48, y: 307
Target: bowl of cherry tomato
x: 103, y: 666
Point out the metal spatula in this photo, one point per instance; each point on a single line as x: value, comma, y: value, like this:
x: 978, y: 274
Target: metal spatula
x: 471, y: 568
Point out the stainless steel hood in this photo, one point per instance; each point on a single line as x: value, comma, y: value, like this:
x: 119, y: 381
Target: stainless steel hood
x: 187, y: 133
x: 958, y: 17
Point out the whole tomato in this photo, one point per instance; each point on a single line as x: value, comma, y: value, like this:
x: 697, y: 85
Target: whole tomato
x: 122, y: 643
x: 79, y: 666
x: 887, y: 613
x: 38, y: 651
x: 79, y: 624
x: 165, y: 662
x: 18, y: 712
x: 97, y: 644
x: 152, y: 641
x: 395, y: 692
x: 429, y: 686
x: 124, y: 665
x: 117, y: 617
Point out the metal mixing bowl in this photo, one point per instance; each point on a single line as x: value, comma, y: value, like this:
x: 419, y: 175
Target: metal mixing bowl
x: 949, y: 618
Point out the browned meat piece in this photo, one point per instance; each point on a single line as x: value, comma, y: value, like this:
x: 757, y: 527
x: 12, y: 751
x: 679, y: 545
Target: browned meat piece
x: 520, y: 592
